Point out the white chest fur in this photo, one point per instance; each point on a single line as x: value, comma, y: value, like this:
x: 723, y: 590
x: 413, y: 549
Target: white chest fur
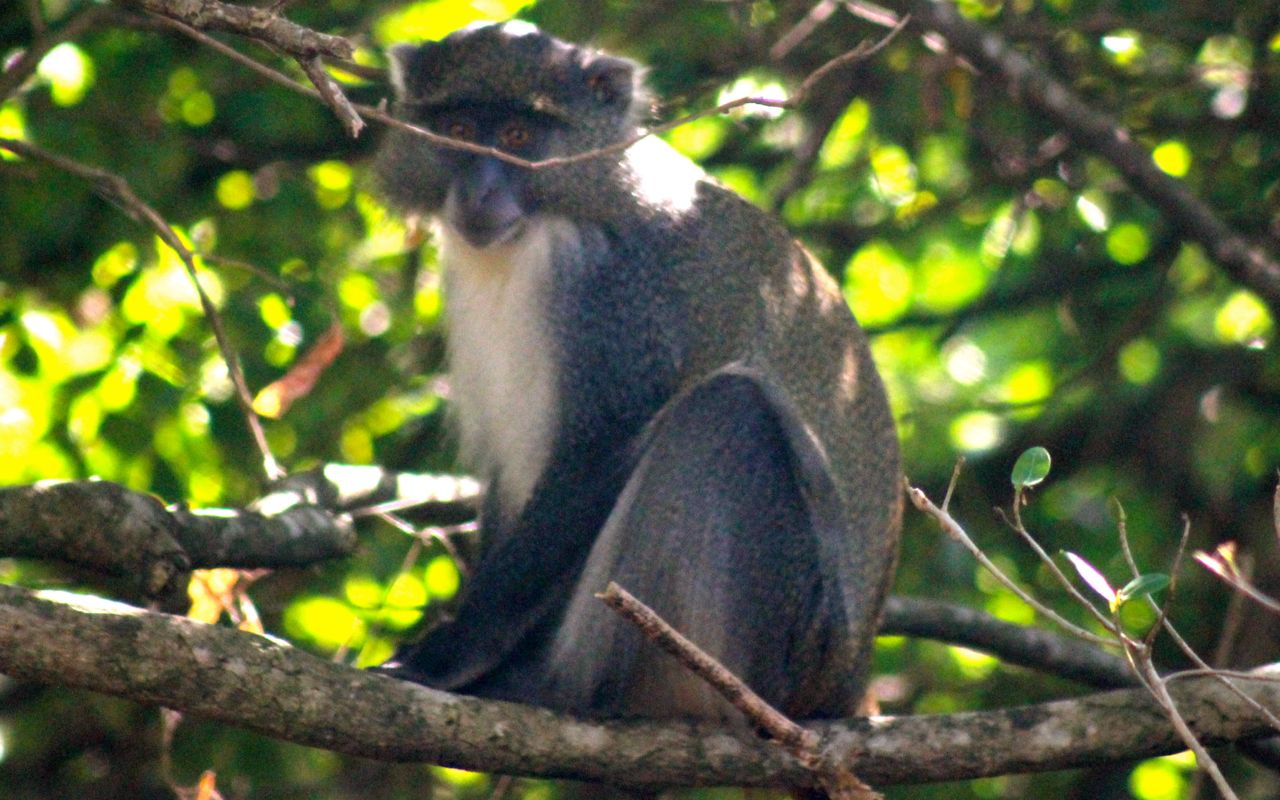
x: 501, y: 354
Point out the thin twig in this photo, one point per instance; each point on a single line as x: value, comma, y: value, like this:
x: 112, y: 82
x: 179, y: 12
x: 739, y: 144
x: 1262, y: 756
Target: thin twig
x: 954, y: 530
x: 803, y: 29
x: 1222, y: 563
x: 262, y: 274
x: 1275, y: 510
x: 1162, y: 620
x: 863, y: 51
x: 1203, y: 760
x: 839, y: 782
x: 332, y: 95
x: 1232, y: 621
x: 1190, y: 652
x: 951, y: 484
x: 1067, y: 584
x: 116, y: 188
x: 261, y: 24
x: 774, y: 722
x: 380, y: 115
x: 35, y: 15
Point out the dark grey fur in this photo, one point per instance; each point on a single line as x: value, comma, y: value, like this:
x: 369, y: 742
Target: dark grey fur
x: 722, y: 446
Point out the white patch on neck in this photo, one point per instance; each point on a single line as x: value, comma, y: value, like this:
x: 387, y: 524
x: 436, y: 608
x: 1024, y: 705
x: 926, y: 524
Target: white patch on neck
x: 502, y: 357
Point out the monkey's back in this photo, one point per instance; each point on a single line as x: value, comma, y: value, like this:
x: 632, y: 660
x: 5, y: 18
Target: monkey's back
x: 784, y: 318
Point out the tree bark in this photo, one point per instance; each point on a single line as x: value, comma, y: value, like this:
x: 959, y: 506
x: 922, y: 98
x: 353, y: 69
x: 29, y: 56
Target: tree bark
x: 256, y: 683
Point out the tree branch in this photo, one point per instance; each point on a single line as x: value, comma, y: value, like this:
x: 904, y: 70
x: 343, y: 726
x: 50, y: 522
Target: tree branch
x: 1035, y: 648
x: 103, y: 526
x: 264, y: 25
x: 1249, y: 264
x: 246, y: 680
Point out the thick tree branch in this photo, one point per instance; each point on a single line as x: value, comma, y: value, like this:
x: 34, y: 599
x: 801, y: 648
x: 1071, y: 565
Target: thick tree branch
x: 107, y: 528
x: 1034, y: 648
x: 262, y: 24
x: 307, y: 47
x: 246, y: 680
x: 1249, y: 264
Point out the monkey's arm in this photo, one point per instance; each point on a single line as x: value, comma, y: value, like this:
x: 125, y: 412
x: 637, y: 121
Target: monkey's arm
x: 520, y: 585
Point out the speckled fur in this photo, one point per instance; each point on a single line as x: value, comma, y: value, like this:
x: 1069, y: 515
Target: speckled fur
x: 663, y: 389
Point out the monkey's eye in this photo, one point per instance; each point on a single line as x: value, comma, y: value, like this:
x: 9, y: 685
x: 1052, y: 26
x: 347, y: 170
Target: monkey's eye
x: 515, y: 136
x: 599, y: 86
x: 603, y: 87
x: 459, y: 129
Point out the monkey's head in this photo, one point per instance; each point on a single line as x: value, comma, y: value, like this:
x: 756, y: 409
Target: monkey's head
x: 517, y: 89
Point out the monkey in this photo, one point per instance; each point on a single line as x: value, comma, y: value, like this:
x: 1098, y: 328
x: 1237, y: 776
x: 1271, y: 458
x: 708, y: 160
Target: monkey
x: 657, y: 385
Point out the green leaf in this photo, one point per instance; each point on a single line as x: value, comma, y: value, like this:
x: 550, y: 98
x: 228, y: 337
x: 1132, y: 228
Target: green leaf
x: 1142, y: 586
x: 1031, y: 467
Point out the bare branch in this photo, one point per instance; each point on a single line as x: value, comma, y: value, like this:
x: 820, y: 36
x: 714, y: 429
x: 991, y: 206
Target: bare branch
x: 308, y: 47
x: 102, y: 526
x: 803, y: 29
x: 265, y: 25
x: 657, y: 630
x: 863, y: 51
x: 1024, y: 646
x: 956, y: 532
x: 1204, y: 761
x: 332, y: 95
x: 837, y: 779
x: 204, y: 670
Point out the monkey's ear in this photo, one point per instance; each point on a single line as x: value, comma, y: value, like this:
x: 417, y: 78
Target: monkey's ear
x: 401, y: 59
x: 612, y: 81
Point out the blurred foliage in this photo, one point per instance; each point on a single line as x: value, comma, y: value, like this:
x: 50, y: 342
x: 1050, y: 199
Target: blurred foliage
x: 1017, y: 291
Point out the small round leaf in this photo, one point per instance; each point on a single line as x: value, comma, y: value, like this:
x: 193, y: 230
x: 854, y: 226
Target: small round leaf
x: 1031, y: 467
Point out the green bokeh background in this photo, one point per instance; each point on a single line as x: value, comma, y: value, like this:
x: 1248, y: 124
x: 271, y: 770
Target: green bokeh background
x: 1018, y: 293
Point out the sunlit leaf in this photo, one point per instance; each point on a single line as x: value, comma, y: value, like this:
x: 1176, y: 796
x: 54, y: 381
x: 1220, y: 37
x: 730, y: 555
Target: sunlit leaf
x: 1172, y: 157
x: 442, y: 577
x: 1128, y: 243
x: 1093, y: 578
x: 69, y: 73
x: 1159, y: 779
x: 845, y: 141
x: 1139, y: 361
x: 976, y: 431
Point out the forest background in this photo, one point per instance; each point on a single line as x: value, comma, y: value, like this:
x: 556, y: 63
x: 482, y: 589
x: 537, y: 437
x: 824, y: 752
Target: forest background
x: 1028, y: 278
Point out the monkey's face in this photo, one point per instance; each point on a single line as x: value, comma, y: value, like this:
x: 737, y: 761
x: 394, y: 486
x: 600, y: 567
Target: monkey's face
x: 487, y: 200
x: 517, y: 89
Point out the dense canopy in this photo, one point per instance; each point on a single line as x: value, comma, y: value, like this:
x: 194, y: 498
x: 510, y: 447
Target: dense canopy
x: 1075, y: 249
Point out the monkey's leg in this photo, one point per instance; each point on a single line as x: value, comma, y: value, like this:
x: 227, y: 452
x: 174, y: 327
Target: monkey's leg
x: 728, y: 528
